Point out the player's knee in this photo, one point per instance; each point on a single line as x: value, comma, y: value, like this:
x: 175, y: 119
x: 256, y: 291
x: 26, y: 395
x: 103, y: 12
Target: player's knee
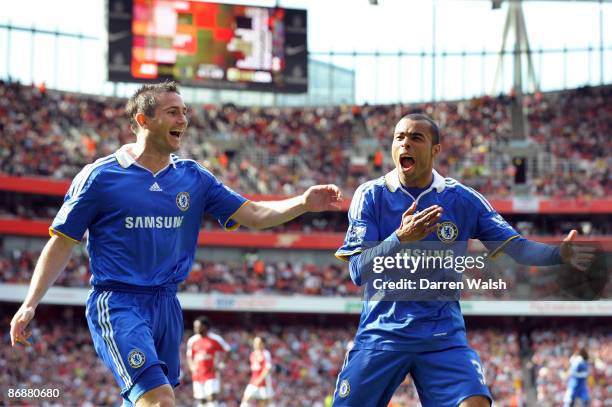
x: 162, y: 396
x: 476, y: 401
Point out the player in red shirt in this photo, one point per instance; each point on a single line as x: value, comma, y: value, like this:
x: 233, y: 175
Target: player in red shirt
x: 260, y: 385
x: 202, y: 348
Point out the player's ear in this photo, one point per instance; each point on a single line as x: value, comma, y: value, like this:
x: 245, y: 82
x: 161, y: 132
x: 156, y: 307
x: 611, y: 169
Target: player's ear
x: 140, y: 119
x: 435, y: 150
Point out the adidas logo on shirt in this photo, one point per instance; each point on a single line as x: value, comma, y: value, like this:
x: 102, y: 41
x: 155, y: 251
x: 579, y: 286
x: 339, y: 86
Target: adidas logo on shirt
x: 155, y: 187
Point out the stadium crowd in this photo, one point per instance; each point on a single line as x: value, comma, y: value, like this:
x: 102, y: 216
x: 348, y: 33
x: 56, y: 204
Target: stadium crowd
x: 305, y: 359
x: 252, y: 274
x: 574, y: 128
x: 274, y: 150
x: 17, y: 266
x: 247, y: 276
x: 552, y: 350
x: 500, y: 352
x: 277, y: 150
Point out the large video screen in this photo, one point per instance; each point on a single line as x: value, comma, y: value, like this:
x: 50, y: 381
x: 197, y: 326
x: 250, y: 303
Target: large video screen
x: 208, y: 44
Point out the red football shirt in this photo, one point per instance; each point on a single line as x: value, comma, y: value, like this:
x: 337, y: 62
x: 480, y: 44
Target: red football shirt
x: 259, y: 361
x: 202, y: 350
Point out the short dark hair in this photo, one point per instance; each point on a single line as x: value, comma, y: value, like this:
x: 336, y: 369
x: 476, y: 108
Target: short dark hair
x: 144, y: 100
x: 204, y: 321
x: 435, y: 130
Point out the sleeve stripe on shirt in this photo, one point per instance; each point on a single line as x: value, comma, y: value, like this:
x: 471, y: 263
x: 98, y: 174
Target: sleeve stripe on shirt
x: 219, y: 339
x: 237, y: 225
x: 268, y: 358
x: 53, y: 232
x: 481, y: 198
x: 357, y: 206
x: 497, y: 251
x: 83, y: 176
x: 199, y: 165
x: 345, y: 256
x: 79, y: 180
x: 190, y: 346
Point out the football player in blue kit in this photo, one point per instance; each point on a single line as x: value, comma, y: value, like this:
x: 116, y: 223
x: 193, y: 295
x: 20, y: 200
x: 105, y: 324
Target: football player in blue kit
x: 577, y: 387
x: 426, y: 339
x: 143, y: 207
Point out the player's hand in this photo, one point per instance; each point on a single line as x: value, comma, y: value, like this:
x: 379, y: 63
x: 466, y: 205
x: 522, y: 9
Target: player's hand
x: 20, y: 321
x: 321, y: 198
x: 416, y: 227
x: 578, y: 256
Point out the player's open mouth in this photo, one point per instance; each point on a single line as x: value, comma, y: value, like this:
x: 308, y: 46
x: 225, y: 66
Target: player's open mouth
x: 407, y: 162
x: 176, y: 133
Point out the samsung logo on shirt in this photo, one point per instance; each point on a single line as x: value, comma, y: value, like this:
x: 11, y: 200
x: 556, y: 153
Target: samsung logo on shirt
x: 153, y: 222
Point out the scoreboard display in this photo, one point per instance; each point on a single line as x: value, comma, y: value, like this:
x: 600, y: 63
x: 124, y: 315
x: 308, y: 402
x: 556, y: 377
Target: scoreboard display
x: 208, y: 44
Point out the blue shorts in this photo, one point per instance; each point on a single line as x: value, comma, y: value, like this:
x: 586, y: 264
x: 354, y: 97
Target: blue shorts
x: 442, y: 378
x: 574, y: 393
x: 136, y: 334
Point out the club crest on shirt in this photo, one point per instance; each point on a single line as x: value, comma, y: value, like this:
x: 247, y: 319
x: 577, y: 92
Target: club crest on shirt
x: 344, y: 389
x: 182, y: 201
x: 447, y: 232
x: 136, y: 358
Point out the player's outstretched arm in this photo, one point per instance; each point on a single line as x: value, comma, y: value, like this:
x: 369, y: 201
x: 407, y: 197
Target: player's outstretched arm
x: 266, y: 214
x: 531, y: 253
x: 51, y: 262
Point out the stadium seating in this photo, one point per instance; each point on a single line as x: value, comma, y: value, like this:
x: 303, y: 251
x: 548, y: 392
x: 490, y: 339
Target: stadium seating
x: 251, y: 275
x: 550, y: 363
x: 276, y: 150
x: 306, y: 360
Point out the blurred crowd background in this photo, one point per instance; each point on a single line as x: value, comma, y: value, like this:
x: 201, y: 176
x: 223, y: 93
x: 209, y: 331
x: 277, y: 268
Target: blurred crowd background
x: 306, y: 357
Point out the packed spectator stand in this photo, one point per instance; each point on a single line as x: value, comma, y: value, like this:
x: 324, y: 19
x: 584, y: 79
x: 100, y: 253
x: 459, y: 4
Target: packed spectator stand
x: 281, y: 150
x: 306, y: 360
x: 552, y: 350
x: 275, y: 150
x: 252, y: 274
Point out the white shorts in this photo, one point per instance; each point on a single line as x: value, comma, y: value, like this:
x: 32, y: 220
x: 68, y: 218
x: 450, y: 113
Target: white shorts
x: 203, y: 390
x: 253, y: 392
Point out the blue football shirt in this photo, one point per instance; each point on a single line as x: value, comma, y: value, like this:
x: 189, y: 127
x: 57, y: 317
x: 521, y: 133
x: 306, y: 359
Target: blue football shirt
x: 374, y: 216
x: 143, y: 227
x: 579, y: 372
